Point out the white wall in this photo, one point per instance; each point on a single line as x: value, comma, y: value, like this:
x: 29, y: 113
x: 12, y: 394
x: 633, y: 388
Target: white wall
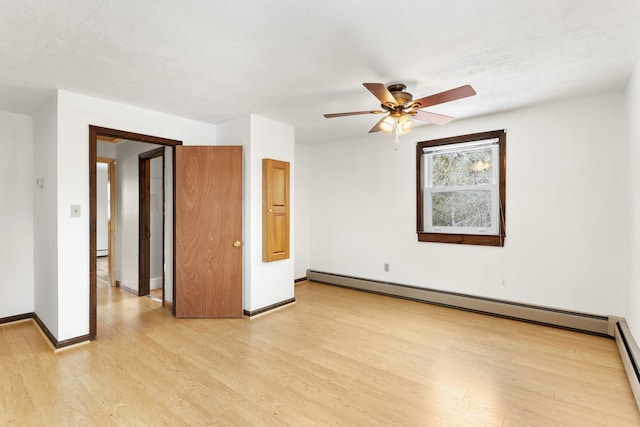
x: 168, y: 227
x: 633, y: 110
x: 106, y: 149
x: 155, y: 223
x: 567, y: 210
x: 75, y: 114
x: 301, y: 220
x: 264, y: 284
x: 127, y: 208
x: 102, y: 209
x: 16, y: 216
x: 271, y: 282
x: 45, y: 228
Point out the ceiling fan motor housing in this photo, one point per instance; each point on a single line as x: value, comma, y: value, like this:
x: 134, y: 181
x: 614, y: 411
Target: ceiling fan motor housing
x: 402, y: 98
x: 398, y: 92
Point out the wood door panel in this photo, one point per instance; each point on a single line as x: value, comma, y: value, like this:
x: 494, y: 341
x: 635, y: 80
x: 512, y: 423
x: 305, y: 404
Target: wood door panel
x: 208, y: 222
x: 275, y: 210
x: 278, y: 188
x: 278, y: 242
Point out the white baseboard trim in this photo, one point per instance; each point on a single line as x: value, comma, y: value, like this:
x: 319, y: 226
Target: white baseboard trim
x: 155, y: 283
x: 583, y: 322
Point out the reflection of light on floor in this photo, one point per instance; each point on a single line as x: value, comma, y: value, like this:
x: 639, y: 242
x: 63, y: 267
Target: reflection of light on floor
x: 457, y: 397
x: 155, y: 294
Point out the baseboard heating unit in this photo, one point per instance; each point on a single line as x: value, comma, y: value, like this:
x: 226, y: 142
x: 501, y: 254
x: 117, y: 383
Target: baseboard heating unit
x: 609, y: 326
x: 630, y: 355
x: 583, y: 322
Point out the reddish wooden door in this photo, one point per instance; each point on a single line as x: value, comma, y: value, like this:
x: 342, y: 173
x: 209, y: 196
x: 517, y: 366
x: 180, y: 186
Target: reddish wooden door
x: 208, y: 237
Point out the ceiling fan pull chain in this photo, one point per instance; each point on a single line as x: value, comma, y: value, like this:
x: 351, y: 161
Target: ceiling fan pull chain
x: 396, y: 134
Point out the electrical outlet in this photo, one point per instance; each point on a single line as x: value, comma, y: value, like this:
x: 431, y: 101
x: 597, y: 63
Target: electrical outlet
x: 386, y: 267
x: 75, y: 211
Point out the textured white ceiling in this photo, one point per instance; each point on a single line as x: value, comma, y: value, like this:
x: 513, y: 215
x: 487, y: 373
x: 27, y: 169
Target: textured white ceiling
x: 293, y: 60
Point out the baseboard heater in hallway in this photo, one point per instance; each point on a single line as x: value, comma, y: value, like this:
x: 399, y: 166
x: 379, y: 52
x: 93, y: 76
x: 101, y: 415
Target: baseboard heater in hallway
x: 583, y: 322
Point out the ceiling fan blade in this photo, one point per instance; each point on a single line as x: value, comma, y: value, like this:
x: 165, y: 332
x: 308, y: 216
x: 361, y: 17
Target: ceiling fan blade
x: 382, y: 93
x: 353, y: 113
x: 376, y: 128
x: 442, y: 97
x: 425, y: 116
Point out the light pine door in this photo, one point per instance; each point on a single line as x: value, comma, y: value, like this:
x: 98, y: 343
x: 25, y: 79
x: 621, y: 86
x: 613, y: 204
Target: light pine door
x: 208, y: 237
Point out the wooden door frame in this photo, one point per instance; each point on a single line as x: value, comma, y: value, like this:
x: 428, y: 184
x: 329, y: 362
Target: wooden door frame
x: 94, y: 132
x: 111, y: 169
x: 144, y: 220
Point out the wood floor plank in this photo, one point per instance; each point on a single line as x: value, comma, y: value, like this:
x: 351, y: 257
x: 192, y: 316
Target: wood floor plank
x: 337, y: 357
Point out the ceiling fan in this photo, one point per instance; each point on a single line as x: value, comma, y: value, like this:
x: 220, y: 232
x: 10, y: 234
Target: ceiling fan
x: 401, y: 107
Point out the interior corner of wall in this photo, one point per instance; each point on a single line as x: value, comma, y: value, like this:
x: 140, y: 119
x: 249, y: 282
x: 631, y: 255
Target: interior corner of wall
x: 613, y: 320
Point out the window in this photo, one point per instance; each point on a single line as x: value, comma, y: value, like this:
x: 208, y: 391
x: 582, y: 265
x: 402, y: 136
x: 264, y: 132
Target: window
x: 461, y: 189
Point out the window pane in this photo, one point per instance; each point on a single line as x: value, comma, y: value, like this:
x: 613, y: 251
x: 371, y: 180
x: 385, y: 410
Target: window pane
x: 461, y: 208
x: 466, y: 167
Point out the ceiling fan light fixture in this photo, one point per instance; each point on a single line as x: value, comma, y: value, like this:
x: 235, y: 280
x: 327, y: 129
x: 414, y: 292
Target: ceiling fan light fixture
x: 387, y: 124
x: 405, y: 123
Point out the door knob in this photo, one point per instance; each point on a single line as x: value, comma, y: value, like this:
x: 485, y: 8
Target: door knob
x: 237, y: 244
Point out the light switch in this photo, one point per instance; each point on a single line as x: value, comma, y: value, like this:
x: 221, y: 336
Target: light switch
x: 75, y: 211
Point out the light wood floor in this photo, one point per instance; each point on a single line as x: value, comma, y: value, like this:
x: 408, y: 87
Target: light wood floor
x: 337, y: 357
x: 102, y: 271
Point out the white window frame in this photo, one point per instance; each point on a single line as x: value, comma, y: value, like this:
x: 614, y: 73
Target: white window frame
x: 493, y: 187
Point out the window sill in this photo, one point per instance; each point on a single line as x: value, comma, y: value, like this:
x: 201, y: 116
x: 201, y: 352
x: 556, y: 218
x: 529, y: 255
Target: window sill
x: 463, y: 239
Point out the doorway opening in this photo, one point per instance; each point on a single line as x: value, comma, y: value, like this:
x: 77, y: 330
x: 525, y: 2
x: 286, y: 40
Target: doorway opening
x: 151, y: 224
x: 106, y: 134
x: 105, y: 220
